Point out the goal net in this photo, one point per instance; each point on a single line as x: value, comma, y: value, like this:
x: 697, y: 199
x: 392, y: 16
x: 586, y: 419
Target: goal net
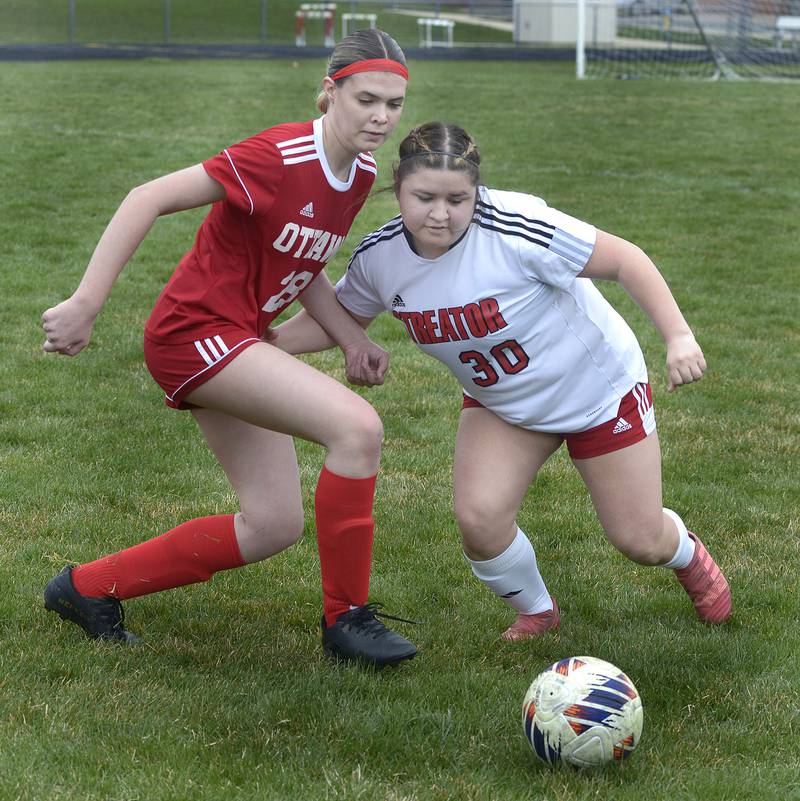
x: 690, y: 38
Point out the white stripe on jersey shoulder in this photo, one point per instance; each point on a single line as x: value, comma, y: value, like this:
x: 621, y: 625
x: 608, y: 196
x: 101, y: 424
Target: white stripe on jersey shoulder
x: 296, y: 141
x: 293, y: 151
x: 368, y: 157
x: 239, y: 179
x: 300, y: 159
x: 387, y: 231
x: 369, y: 166
x: 298, y: 150
x: 570, y: 247
x: 557, y: 240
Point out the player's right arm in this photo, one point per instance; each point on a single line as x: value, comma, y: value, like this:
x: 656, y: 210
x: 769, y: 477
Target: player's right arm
x: 303, y: 334
x: 68, y: 326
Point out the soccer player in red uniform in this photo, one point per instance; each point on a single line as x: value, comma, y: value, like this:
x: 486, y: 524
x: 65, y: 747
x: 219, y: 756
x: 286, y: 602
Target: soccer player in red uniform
x: 282, y: 203
x: 499, y: 287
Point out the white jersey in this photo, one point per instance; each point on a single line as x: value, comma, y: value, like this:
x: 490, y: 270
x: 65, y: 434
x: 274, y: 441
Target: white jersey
x: 504, y: 310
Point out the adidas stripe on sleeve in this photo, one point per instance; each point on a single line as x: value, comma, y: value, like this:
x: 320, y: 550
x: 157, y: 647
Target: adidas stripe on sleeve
x: 358, y: 289
x: 553, y: 247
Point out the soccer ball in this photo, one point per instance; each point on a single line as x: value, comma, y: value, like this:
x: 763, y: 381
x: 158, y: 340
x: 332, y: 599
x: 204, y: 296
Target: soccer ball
x: 582, y: 711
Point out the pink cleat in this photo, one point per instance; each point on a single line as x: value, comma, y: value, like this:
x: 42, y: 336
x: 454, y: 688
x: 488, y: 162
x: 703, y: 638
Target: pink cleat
x: 526, y: 626
x: 705, y: 585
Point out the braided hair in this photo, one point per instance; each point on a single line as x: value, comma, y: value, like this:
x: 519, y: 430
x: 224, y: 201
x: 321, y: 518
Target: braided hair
x: 438, y: 146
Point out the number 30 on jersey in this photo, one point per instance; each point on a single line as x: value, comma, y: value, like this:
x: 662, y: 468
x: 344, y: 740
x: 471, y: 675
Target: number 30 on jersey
x: 510, y: 356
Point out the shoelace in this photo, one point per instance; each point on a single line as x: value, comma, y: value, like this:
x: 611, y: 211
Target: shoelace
x: 120, y: 624
x: 111, y: 612
x: 366, y: 618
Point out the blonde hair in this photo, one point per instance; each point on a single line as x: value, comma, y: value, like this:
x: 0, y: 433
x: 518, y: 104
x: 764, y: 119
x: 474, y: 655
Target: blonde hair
x: 360, y: 45
x: 438, y: 146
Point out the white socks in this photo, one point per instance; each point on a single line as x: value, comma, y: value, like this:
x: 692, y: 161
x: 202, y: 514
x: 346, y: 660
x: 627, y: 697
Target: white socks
x: 685, y: 550
x: 514, y: 577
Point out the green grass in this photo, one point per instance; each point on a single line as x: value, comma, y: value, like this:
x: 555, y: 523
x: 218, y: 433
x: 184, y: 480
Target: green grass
x: 230, y: 697
x: 215, y: 21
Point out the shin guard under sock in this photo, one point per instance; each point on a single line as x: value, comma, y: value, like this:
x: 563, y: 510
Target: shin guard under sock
x: 345, y: 528
x: 186, y: 554
x: 514, y: 576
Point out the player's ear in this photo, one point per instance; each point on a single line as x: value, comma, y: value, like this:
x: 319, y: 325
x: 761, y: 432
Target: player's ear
x: 329, y: 87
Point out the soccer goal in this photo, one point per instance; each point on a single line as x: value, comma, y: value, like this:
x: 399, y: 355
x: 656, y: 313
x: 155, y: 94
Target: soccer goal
x: 689, y: 39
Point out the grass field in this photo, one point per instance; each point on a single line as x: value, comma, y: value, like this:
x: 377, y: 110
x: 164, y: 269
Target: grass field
x: 193, y: 21
x: 230, y: 696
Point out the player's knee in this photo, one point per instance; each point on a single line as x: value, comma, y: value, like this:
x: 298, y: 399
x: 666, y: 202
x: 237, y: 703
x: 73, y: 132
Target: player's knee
x: 372, y: 432
x: 362, y: 433
x: 271, y: 531
x: 643, y: 544
x: 478, y: 521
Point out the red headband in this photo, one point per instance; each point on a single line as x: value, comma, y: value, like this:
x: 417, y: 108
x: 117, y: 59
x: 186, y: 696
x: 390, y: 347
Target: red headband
x: 371, y: 65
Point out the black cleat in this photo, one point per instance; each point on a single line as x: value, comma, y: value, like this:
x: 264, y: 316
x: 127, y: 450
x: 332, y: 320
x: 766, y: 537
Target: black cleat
x: 359, y: 636
x: 100, y: 618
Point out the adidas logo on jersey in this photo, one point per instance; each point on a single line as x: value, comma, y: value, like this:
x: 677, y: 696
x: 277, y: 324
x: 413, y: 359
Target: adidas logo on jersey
x: 397, y: 302
x: 307, y: 210
x: 622, y: 425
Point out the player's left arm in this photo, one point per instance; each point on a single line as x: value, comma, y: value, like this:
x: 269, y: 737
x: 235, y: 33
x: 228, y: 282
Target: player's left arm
x: 324, y: 323
x: 616, y: 259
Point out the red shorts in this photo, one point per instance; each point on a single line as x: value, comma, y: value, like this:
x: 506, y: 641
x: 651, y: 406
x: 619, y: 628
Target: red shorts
x: 634, y: 420
x: 181, y: 367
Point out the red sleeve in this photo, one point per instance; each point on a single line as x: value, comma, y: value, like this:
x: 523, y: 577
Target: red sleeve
x: 251, y: 172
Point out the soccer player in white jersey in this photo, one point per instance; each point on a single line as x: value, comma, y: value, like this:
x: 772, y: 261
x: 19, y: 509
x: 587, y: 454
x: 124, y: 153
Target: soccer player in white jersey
x: 498, y: 286
x: 282, y: 203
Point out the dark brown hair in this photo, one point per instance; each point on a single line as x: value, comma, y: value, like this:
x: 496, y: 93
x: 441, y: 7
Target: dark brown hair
x: 438, y: 146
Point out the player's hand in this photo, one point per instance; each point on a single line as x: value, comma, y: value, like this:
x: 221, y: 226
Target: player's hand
x: 685, y: 361
x: 68, y: 327
x: 366, y: 364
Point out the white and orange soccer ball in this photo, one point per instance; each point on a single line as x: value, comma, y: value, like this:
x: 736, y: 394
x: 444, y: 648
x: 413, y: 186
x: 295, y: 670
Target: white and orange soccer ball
x: 582, y: 711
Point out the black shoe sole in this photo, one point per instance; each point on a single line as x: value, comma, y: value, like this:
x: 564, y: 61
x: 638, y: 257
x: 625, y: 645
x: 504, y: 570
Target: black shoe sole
x: 364, y: 661
x: 128, y: 639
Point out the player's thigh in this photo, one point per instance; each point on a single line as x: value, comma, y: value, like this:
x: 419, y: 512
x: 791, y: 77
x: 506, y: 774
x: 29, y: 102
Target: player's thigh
x: 625, y: 487
x: 494, y: 465
x: 271, y: 389
x: 261, y: 466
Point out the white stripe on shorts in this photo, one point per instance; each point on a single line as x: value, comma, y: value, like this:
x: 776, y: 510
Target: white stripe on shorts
x: 202, y: 351
x: 212, y: 348
x: 646, y: 412
x: 207, y: 348
x: 211, y: 362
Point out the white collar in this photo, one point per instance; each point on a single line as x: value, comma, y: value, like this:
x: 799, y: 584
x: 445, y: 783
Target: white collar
x: 339, y: 186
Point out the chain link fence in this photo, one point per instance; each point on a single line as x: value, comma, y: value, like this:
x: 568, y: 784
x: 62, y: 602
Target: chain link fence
x: 252, y: 22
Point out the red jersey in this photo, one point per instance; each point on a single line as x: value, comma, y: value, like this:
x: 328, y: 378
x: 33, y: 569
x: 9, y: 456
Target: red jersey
x: 284, y: 216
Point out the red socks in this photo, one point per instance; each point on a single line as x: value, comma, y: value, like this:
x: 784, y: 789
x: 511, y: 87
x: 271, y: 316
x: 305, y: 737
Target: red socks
x: 189, y: 553
x: 344, y: 536
x: 194, y: 551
